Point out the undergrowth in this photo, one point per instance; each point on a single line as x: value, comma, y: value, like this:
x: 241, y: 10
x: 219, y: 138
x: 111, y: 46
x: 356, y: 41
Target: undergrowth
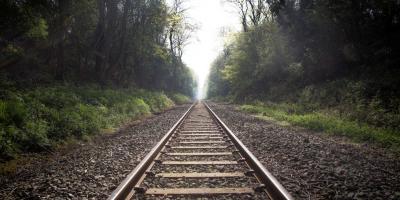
x: 327, y: 122
x: 179, y: 98
x: 42, y: 118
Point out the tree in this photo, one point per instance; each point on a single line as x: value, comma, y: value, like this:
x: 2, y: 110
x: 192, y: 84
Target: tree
x: 243, y: 10
x: 320, y: 51
x: 252, y: 12
x: 108, y: 42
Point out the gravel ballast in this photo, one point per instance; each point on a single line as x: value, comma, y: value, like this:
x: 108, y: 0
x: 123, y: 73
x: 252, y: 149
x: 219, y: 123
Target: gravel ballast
x: 313, y: 165
x: 172, y: 164
x: 310, y: 165
x: 89, y: 170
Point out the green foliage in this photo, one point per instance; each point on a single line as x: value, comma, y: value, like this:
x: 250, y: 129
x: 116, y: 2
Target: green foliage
x: 217, y: 85
x: 7, y: 146
x: 255, y: 60
x: 157, y: 101
x: 16, y: 113
x: 179, y: 98
x: 39, y: 30
x: 12, y: 50
x: 38, y: 119
x: 327, y: 123
x: 35, y: 135
x: 119, y: 44
x: 317, y: 56
x: 114, y: 45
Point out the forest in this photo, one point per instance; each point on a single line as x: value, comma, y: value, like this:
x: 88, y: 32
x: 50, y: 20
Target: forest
x: 200, y: 99
x: 70, y: 69
x: 326, y: 65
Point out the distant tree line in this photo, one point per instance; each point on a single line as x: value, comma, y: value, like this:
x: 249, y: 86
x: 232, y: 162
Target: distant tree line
x: 108, y: 42
x: 343, y: 54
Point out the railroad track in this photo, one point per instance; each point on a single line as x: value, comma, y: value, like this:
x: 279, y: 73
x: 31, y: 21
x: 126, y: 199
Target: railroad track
x: 200, y: 157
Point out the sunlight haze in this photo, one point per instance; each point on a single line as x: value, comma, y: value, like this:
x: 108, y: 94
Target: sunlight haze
x: 210, y: 16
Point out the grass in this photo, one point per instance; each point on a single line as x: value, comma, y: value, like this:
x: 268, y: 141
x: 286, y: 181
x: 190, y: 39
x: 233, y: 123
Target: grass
x: 42, y: 118
x: 323, y: 122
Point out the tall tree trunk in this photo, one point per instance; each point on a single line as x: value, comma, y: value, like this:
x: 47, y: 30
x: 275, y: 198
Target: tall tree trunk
x: 99, y: 42
x: 63, y: 8
x: 107, y: 23
x: 59, y: 70
x: 122, y: 43
x: 171, y: 41
x: 244, y: 23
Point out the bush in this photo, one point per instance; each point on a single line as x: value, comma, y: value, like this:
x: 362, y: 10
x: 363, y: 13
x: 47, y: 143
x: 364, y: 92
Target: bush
x: 158, y: 102
x: 15, y: 113
x: 37, y: 119
x: 179, y: 98
x: 137, y: 107
x: 35, y: 135
x: 7, y: 145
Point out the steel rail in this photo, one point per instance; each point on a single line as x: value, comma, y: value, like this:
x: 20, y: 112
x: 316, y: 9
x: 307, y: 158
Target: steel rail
x: 273, y: 188
x: 123, y: 190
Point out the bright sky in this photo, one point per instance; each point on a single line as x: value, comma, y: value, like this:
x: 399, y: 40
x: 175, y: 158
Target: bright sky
x: 211, y: 16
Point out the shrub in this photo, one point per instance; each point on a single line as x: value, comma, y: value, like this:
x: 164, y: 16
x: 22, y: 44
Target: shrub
x: 15, y: 113
x: 157, y: 101
x: 35, y: 135
x: 7, y: 145
x: 137, y: 107
x: 3, y: 111
x: 37, y: 119
x: 179, y: 98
